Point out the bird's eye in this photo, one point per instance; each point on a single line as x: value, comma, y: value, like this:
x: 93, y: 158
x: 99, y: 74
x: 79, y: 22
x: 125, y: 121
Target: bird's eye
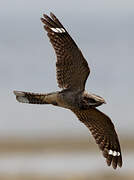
x: 91, y: 100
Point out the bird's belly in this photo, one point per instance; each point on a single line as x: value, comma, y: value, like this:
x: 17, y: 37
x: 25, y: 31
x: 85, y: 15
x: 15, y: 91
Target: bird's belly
x: 68, y: 100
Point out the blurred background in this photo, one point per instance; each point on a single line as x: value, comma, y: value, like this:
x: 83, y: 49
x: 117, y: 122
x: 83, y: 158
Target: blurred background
x: 45, y: 142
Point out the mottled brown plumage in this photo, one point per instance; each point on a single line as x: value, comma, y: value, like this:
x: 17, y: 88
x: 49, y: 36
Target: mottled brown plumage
x: 71, y: 67
x: 72, y: 72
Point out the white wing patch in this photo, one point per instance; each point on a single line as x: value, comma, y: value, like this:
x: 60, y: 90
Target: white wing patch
x: 58, y: 30
x: 113, y: 153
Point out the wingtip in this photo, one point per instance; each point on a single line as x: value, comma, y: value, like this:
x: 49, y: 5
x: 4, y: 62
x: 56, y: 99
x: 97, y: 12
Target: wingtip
x: 120, y: 163
x: 45, y: 15
x: 41, y: 19
x: 52, y: 15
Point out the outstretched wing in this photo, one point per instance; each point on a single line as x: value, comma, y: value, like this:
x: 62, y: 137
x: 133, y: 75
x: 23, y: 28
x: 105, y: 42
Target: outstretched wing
x: 104, y: 133
x: 72, y: 69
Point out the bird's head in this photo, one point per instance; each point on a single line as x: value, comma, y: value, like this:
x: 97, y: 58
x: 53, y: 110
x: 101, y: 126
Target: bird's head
x: 92, y: 100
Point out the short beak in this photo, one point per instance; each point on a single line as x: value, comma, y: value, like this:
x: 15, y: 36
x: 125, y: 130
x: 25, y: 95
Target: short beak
x: 104, y: 102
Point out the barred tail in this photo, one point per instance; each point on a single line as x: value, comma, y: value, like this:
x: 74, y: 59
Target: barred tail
x: 31, y: 98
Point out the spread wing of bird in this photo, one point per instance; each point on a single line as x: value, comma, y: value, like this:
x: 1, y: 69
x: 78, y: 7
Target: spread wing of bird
x: 71, y: 67
x: 104, y: 133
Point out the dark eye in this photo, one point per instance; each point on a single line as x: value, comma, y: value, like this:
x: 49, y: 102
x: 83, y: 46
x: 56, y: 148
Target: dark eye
x: 91, y: 100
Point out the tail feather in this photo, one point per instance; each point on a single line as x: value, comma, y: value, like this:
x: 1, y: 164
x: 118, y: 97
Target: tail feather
x: 31, y: 98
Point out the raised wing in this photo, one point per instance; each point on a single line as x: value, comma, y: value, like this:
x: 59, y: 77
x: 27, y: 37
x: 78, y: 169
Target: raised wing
x: 104, y: 133
x: 71, y: 67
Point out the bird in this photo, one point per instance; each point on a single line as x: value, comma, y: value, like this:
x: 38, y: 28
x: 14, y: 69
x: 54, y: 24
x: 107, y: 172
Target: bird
x: 72, y: 71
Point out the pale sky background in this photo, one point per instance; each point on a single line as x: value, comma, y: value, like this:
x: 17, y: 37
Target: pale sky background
x: 104, y: 31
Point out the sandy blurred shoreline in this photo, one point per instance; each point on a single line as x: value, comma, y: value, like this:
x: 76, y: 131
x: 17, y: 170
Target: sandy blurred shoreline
x: 11, y: 144
x: 15, y: 164
x: 100, y: 176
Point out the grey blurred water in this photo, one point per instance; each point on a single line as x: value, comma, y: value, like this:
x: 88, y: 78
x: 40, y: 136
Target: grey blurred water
x: 63, y: 163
